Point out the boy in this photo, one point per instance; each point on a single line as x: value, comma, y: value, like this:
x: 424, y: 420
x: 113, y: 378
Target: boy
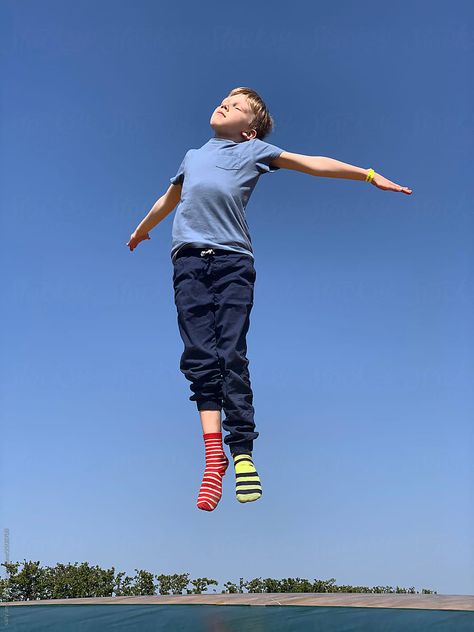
x: 214, y: 274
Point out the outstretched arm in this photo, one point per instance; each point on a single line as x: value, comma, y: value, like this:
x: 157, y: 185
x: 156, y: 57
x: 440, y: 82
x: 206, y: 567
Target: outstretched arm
x: 160, y: 209
x: 330, y: 168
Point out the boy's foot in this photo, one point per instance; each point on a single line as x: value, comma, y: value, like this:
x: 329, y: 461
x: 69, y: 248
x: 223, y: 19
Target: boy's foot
x: 216, y: 465
x: 247, y: 481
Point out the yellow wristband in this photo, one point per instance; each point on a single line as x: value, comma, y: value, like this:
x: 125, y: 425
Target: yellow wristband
x: 370, y: 175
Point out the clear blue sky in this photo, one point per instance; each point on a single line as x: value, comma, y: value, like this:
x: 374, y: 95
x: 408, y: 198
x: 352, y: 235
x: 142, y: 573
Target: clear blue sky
x: 361, y: 338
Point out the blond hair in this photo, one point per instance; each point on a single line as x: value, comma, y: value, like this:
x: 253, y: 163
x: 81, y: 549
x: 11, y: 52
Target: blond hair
x: 262, y: 121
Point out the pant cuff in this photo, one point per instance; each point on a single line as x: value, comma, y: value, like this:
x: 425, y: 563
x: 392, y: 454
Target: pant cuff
x: 240, y: 450
x: 208, y: 405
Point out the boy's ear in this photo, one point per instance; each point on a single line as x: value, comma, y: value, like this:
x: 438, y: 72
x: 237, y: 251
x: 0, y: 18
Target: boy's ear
x: 250, y: 135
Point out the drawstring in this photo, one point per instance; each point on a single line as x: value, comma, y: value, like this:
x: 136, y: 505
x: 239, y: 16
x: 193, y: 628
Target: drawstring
x: 208, y: 252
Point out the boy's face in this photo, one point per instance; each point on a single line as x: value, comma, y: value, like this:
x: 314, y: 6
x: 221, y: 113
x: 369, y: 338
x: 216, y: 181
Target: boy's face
x: 231, y: 119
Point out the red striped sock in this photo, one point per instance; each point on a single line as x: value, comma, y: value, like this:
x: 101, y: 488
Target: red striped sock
x: 216, y: 465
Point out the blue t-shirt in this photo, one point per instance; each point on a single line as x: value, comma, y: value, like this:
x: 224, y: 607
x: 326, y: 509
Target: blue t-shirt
x: 217, y: 181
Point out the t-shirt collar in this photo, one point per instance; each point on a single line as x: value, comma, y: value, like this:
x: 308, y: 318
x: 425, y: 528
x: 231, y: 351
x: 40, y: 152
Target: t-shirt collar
x: 224, y: 140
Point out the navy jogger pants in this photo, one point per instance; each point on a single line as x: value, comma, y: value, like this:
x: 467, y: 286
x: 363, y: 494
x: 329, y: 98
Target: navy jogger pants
x: 213, y: 291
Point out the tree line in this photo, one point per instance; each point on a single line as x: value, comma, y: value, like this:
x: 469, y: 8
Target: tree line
x: 68, y: 581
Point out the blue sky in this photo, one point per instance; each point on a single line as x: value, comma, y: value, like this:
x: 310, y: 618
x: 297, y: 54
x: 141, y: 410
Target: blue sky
x: 360, y: 344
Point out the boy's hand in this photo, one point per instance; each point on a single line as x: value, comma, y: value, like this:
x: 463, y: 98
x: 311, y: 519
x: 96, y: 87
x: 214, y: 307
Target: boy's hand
x: 136, y: 238
x: 382, y: 183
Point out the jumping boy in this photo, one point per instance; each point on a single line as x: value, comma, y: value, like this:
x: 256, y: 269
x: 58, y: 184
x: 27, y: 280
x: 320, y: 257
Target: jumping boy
x: 214, y: 274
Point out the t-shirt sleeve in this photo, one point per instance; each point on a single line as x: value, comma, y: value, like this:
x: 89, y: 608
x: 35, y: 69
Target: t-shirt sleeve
x: 264, y: 153
x: 179, y: 177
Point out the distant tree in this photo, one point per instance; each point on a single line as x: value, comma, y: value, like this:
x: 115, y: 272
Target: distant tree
x: 123, y: 585
x: 175, y: 583
x: 26, y: 584
x: 201, y: 584
x: 324, y: 586
x: 256, y: 586
x: 4, y: 590
x: 272, y: 585
x: 67, y: 581
x: 143, y: 584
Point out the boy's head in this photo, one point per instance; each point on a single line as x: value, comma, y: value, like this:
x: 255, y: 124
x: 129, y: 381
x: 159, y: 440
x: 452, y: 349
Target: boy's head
x: 241, y: 116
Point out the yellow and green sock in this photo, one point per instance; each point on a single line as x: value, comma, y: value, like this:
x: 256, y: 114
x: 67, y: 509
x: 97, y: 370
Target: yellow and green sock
x: 247, y: 481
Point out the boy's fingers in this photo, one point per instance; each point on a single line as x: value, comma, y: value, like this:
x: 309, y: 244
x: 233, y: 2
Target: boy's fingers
x: 392, y: 186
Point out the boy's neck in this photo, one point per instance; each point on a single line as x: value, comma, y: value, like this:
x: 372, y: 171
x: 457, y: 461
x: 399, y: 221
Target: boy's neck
x: 228, y: 139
